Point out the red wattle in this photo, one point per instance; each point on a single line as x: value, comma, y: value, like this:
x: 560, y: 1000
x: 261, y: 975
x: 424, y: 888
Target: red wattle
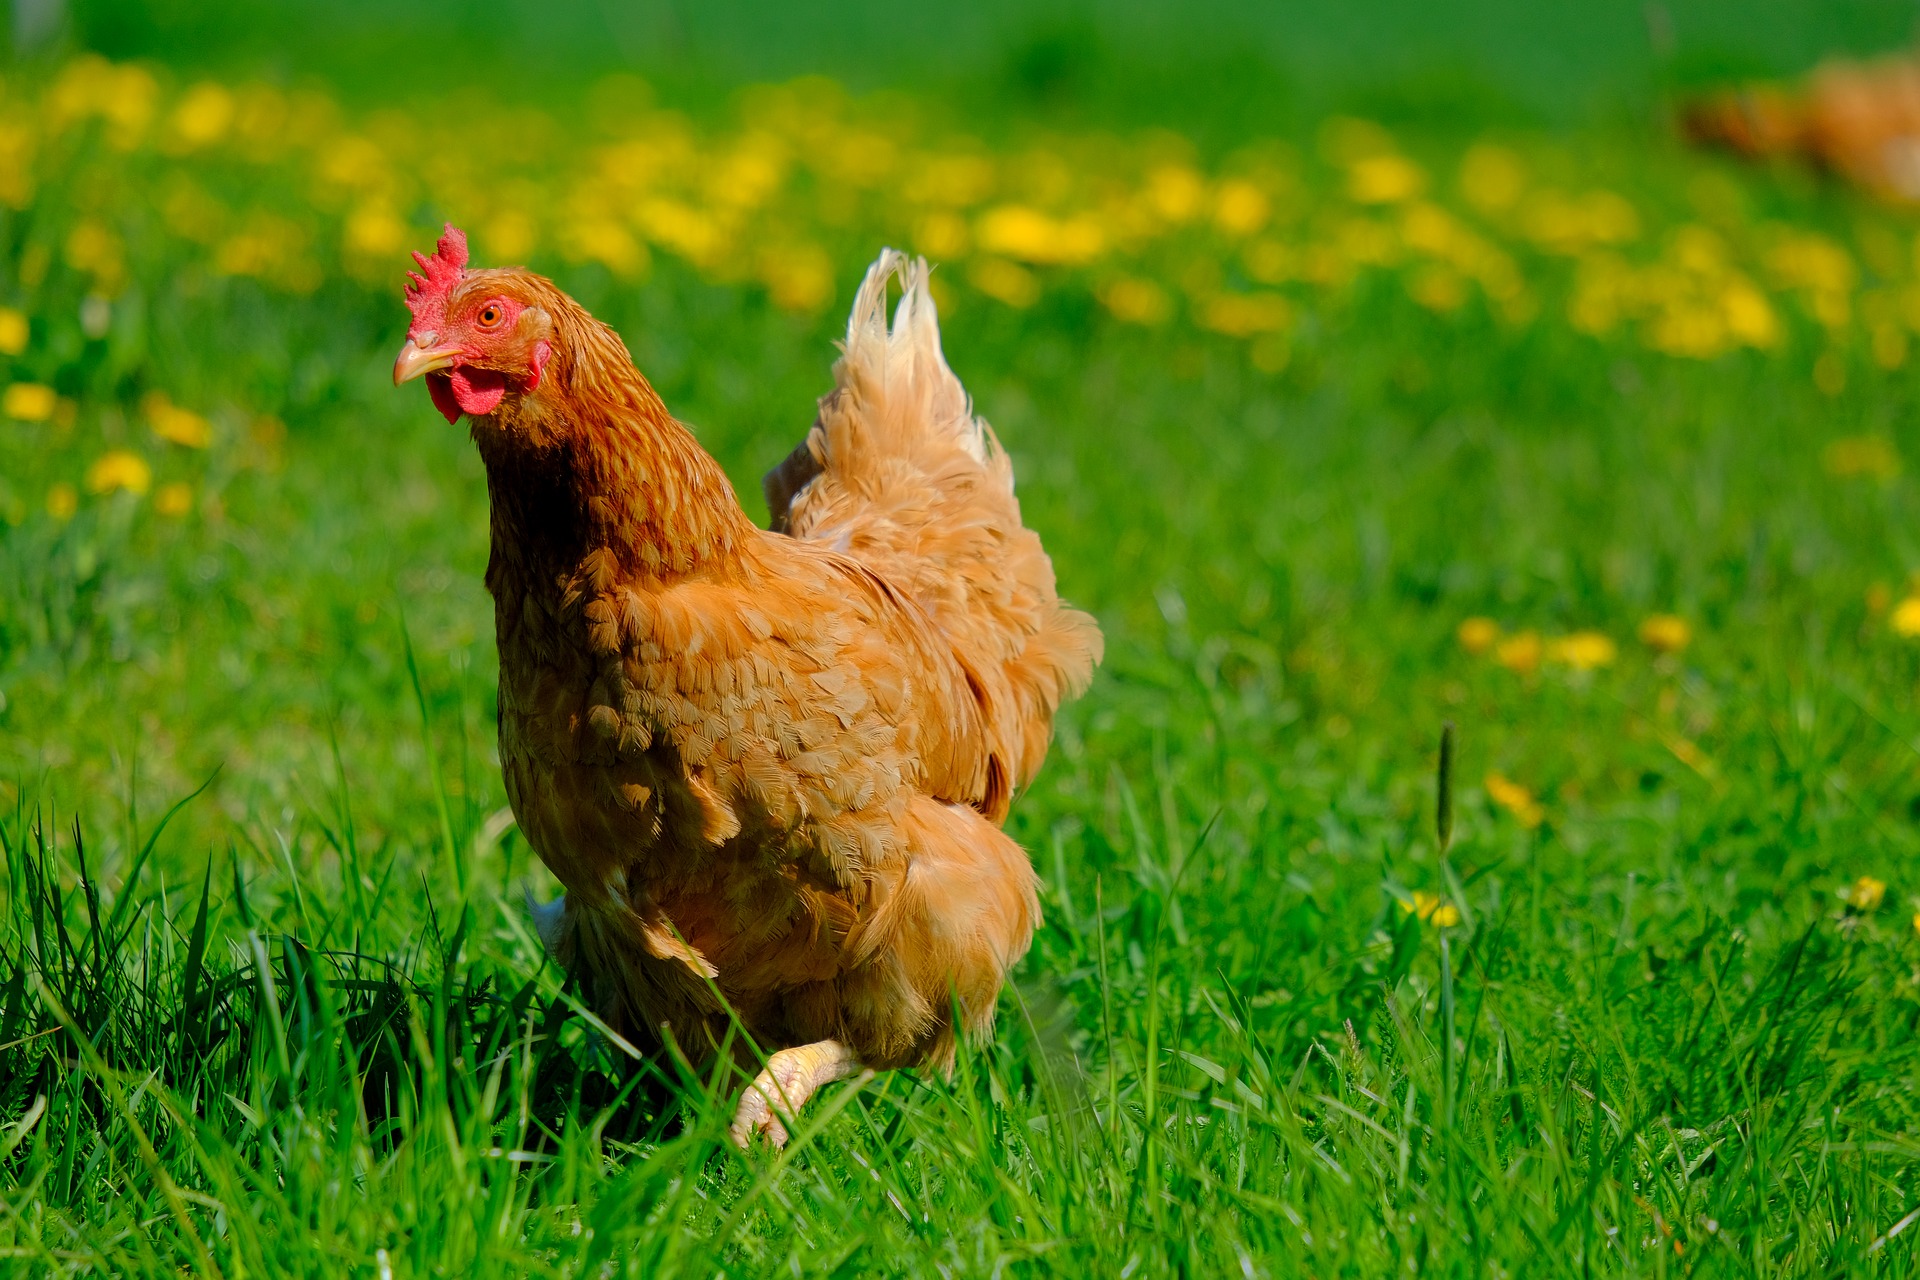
x: 440, y: 387
x: 477, y: 391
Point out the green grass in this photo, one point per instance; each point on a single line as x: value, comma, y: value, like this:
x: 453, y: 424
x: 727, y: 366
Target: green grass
x: 299, y: 1025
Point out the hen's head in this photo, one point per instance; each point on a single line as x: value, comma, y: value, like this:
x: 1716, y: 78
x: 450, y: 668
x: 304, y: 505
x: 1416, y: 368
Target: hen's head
x: 476, y: 335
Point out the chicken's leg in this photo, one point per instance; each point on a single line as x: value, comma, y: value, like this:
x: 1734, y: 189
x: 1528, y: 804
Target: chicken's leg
x: 784, y: 1087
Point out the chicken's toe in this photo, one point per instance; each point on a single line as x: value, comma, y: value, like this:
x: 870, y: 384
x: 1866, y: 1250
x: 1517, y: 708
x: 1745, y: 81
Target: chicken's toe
x: 779, y: 1091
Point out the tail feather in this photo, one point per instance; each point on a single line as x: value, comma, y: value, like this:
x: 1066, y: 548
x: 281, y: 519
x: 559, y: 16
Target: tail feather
x: 899, y: 473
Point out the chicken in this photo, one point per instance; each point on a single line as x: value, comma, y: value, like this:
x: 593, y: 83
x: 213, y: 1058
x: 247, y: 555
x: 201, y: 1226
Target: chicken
x: 769, y: 768
x: 1859, y: 119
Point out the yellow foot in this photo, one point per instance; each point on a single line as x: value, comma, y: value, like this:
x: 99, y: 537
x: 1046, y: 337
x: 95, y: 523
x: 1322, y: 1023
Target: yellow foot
x: 783, y: 1088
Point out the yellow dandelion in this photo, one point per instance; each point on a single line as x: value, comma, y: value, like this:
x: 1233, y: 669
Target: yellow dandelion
x: 1242, y: 315
x: 1016, y: 231
x: 1477, y: 635
x: 1865, y: 894
x: 1432, y: 908
x: 1137, y: 301
x: 1871, y: 456
x: 13, y: 331
x: 203, y: 116
x: 174, y: 499
x: 1491, y: 178
x: 1906, y: 618
x: 1007, y: 281
x: 1519, y: 653
x: 62, y: 501
x: 1665, y: 633
x: 119, y: 469
x: 1585, y: 650
x: 1385, y: 179
x: 1240, y: 208
x: 798, y: 278
x: 172, y: 423
x: 1515, y: 799
x: 29, y: 402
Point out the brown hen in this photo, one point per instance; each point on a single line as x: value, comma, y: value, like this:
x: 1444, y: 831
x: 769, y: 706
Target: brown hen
x: 770, y: 768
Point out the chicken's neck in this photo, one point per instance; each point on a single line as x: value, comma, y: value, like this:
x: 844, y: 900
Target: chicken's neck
x: 599, y: 465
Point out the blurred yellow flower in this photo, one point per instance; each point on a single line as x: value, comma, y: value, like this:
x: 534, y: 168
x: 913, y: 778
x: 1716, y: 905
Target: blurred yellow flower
x: 203, y: 116
x: 174, y: 499
x: 799, y: 278
x: 174, y: 424
x: 1175, y: 192
x: 1432, y: 908
x: 1906, y: 618
x: 1872, y: 456
x: 374, y: 230
x: 29, y: 402
x: 1477, y: 635
x: 941, y: 235
x: 119, y: 469
x: 1137, y: 301
x: 62, y: 501
x: 1665, y: 633
x: 998, y: 278
x: 1519, y: 652
x: 1240, y: 208
x: 94, y: 248
x: 1385, y: 179
x: 1865, y: 894
x: 1025, y: 234
x: 13, y: 331
x: 1241, y: 315
x: 1584, y: 650
x: 1491, y: 177
x: 1515, y: 799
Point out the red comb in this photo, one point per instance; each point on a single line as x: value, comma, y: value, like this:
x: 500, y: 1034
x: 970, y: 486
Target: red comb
x: 428, y: 288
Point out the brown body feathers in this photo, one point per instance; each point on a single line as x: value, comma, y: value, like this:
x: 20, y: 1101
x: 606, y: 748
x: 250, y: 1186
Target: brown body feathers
x: 773, y: 765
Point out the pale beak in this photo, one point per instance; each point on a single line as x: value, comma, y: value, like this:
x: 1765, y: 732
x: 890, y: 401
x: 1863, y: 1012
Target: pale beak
x: 415, y: 360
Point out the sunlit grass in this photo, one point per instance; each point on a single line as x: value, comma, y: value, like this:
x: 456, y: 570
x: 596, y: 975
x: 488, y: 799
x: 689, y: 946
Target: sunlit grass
x: 1596, y: 452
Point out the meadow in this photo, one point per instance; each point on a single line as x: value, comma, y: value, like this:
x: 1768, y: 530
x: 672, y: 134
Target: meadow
x: 1593, y: 449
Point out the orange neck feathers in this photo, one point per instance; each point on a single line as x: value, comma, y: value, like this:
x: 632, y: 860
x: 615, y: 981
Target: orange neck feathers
x: 593, y: 461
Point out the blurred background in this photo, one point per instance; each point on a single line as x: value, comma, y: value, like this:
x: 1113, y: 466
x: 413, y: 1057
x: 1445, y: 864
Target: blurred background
x: 1221, y: 63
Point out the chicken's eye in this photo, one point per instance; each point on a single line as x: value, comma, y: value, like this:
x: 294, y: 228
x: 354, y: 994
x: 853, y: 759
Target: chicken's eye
x: 491, y: 315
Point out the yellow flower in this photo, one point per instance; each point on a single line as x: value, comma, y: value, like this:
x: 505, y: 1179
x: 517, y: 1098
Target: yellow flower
x: 1432, y: 908
x: 1585, y: 650
x: 798, y: 278
x: 1385, y: 179
x: 1872, y: 456
x: 1175, y: 192
x: 998, y: 278
x: 1137, y: 301
x: 1241, y: 315
x: 1240, y: 208
x: 1866, y: 894
x: 119, y: 469
x: 13, y: 331
x: 1491, y: 178
x: 174, y: 499
x: 29, y: 402
x: 1665, y: 633
x: 170, y: 422
x: 1519, y: 653
x: 62, y: 502
x: 203, y: 116
x: 1028, y: 235
x: 1906, y: 618
x: 1515, y: 799
x: 1477, y: 635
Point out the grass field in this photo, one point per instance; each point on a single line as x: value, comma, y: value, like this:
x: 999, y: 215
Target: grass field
x: 1592, y: 448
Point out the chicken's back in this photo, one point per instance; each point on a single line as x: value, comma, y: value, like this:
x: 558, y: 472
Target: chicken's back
x: 900, y: 475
